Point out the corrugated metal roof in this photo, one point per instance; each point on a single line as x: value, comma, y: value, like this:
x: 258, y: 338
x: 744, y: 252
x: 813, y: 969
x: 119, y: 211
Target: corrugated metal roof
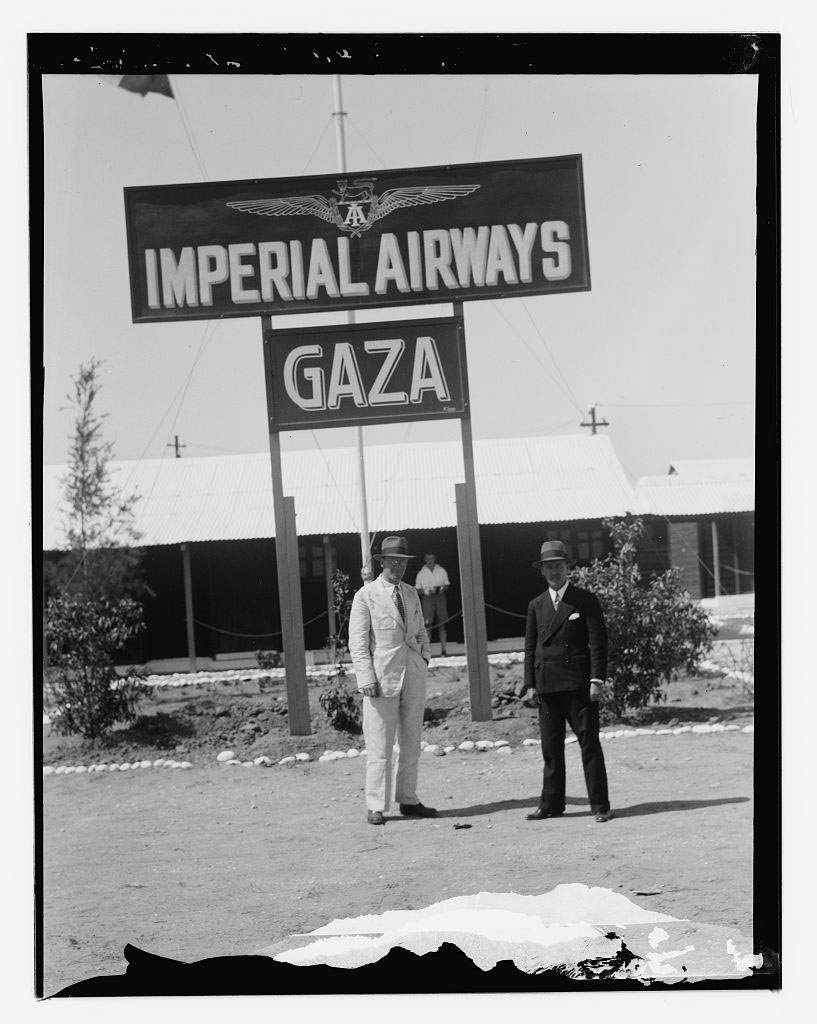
x: 696, y: 487
x: 675, y: 496
x: 409, y: 486
x: 716, y: 470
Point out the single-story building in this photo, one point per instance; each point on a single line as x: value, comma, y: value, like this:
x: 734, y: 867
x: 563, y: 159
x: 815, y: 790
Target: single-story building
x: 700, y: 516
x: 207, y: 529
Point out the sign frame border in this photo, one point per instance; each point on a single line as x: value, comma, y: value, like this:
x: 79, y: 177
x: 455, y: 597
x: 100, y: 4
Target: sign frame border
x: 270, y: 333
x: 354, y: 304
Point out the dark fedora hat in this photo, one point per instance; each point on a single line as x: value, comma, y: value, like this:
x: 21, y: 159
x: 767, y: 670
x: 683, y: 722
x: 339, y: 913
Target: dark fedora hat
x: 393, y: 547
x: 552, y: 551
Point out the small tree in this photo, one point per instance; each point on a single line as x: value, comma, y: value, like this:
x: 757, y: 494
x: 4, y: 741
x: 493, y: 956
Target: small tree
x: 656, y: 630
x: 83, y: 638
x: 339, y: 699
x: 101, y: 560
x: 90, y: 611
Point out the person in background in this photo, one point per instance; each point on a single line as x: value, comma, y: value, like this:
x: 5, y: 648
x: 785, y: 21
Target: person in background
x: 389, y: 648
x: 431, y: 583
x: 566, y: 665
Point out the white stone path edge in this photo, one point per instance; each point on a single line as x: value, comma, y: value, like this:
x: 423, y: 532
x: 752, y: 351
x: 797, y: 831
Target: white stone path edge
x: 228, y: 758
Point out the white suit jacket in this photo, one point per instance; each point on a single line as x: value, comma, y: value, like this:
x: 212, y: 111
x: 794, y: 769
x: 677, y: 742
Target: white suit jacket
x: 380, y: 643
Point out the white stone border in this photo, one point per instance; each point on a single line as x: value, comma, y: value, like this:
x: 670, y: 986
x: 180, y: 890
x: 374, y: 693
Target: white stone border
x: 228, y: 757
x: 252, y: 675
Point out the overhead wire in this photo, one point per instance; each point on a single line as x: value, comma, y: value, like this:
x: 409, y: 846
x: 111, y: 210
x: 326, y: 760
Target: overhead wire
x: 552, y: 357
x: 559, y: 426
x: 669, y: 405
x: 179, y: 397
x: 186, y: 124
x: 181, y: 391
x: 317, y: 146
x: 208, y: 329
x: 215, y: 448
x: 338, y: 488
x: 535, y: 355
x: 359, y: 131
x: 385, y: 505
x: 255, y: 636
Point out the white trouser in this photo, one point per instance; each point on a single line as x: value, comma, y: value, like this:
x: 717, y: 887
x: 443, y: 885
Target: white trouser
x: 383, y: 719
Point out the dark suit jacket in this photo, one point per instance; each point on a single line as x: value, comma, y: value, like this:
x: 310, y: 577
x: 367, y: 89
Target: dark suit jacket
x: 565, y: 649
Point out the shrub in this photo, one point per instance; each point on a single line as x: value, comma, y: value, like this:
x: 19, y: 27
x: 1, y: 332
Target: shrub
x: 82, y: 638
x: 656, y: 630
x: 338, y: 644
x: 339, y: 699
x: 341, y: 704
x: 268, y: 659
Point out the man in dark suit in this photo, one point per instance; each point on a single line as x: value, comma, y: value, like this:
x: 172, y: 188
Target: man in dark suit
x: 566, y: 664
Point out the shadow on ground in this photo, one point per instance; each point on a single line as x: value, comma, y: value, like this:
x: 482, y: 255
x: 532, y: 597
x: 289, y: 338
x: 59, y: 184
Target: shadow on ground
x: 530, y: 803
x: 672, y: 714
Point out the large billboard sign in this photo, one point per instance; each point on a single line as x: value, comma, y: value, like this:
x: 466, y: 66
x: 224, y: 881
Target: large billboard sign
x: 373, y: 238
x: 365, y: 373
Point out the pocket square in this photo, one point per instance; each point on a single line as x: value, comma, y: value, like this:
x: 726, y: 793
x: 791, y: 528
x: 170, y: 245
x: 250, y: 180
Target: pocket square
x: 575, y: 615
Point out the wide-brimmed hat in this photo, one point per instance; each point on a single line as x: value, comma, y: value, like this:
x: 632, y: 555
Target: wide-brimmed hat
x: 552, y: 551
x: 393, y: 547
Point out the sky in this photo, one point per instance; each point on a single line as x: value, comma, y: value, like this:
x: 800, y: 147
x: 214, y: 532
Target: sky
x: 663, y: 343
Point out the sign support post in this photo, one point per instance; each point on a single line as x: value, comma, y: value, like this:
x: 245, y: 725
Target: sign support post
x: 289, y: 597
x: 473, y: 594
x: 297, y: 692
x: 473, y: 609
x: 382, y: 238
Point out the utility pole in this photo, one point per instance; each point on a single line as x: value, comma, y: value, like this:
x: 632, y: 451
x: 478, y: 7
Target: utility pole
x: 363, y: 514
x: 175, y: 444
x: 594, y: 422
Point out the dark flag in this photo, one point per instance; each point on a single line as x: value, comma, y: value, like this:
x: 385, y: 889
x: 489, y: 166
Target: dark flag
x: 143, y: 84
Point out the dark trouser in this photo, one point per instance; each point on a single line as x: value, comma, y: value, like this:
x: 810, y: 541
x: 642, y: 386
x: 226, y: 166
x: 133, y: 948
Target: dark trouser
x: 575, y: 707
x: 435, y: 611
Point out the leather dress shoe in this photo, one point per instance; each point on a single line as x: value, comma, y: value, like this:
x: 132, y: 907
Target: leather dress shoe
x: 417, y: 811
x: 540, y: 814
x: 602, y: 816
x: 375, y: 818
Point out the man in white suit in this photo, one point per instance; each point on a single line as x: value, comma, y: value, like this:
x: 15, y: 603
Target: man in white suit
x: 390, y: 654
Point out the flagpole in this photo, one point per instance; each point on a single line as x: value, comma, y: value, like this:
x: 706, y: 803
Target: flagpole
x: 365, y: 543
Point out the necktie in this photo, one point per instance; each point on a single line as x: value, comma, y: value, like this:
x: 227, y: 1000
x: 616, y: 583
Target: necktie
x: 398, y: 600
x: 555, y: 602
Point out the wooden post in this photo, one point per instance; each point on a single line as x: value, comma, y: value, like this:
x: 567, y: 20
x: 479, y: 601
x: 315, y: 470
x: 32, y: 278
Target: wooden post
x: 716, y: 558
x: 473, y: 597
x: 330, y: 596
x: 295, y: 661
x: 289, y: 597
x: 188, y: 608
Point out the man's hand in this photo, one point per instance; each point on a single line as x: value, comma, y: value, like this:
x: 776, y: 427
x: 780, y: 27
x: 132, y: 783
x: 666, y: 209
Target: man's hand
x: 596, y: 690
x: 369, y: 691
x: 529, y: 696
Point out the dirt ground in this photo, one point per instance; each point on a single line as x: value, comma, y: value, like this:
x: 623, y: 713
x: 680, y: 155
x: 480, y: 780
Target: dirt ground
x: 196, y: 724
x: 224, y: 860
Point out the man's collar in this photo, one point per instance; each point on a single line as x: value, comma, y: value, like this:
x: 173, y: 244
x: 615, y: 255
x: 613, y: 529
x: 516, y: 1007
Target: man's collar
x: 560, y: 591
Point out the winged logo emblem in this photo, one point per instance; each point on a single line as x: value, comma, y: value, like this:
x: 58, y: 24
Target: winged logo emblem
x: 353, y: 207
